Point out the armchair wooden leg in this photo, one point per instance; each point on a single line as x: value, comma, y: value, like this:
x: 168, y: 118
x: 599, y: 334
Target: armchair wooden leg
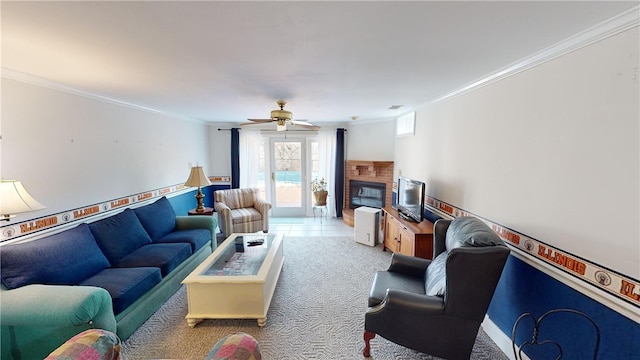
x: 368, y: 335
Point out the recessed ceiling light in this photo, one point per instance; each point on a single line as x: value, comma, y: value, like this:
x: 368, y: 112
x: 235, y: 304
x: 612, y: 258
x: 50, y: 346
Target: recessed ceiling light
x: 395, y: 107
x: 354, y: 117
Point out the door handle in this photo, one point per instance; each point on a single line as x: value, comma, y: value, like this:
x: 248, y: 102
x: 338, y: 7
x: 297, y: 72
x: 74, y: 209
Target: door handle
x: 273, y: 177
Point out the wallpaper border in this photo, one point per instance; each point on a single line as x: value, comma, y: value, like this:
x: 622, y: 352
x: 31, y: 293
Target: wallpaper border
x: 616, y: 290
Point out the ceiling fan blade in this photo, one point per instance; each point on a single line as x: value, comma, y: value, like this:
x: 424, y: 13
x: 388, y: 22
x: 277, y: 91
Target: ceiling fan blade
x: 301, y: 122
x: 261, y: 120
x: 305, y: 124
x: 251, y: 123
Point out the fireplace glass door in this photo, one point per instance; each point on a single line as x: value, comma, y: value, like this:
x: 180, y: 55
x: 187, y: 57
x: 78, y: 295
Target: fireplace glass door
x: 366, y: 193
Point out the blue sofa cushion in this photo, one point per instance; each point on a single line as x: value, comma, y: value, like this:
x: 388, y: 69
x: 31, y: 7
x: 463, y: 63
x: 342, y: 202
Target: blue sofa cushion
x: 196, y: 237
x: 164, y: 256
x: 65, y: 258
x: 119, y: 235
x: 125, y: 285
x: 470, y: 231
x: 158, y: 218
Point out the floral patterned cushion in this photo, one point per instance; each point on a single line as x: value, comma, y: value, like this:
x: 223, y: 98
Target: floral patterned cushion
x: 93, y: 344
x: 239, y: 346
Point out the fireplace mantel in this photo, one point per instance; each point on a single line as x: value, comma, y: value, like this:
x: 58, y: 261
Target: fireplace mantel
x: 362, y: 167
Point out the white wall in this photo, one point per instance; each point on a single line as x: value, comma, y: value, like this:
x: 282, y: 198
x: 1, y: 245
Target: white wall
x: 220, y: 149
x: 552, y: 152
x: 371, y: 140
x: 70, y: 150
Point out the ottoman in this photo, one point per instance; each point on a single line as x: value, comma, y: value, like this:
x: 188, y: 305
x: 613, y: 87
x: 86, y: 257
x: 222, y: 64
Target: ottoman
x: 238, y: 346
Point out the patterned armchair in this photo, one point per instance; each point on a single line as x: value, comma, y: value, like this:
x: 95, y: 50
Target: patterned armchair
x: 241, y: 210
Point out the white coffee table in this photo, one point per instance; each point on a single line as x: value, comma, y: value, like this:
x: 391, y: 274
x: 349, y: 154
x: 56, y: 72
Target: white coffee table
x: 237, y: 280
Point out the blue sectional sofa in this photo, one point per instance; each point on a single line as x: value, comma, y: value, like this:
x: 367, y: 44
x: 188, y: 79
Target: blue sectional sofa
x: 111, y: 274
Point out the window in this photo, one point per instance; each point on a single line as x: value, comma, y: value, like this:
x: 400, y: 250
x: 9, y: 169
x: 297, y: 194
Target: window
x: 406, y: 124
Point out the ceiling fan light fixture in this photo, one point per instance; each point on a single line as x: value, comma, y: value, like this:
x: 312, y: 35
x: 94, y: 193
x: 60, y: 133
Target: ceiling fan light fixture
x: 281, y: 115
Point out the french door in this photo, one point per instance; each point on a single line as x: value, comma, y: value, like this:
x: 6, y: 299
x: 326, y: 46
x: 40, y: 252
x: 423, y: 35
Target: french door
x: 288, y: 176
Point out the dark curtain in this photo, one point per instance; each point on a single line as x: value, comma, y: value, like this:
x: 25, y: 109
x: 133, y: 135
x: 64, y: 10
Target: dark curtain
x: 235, y: 158
x: 339, y: 180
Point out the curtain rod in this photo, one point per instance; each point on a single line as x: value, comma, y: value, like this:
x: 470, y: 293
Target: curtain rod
x: 266, y: 131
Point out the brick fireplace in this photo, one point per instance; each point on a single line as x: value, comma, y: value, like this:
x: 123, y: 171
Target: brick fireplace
x: 369, y: 172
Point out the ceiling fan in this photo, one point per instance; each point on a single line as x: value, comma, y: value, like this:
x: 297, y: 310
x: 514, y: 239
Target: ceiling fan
x: 282, y: 117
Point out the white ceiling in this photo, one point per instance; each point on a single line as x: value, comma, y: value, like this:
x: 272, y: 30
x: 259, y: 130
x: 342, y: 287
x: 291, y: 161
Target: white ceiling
x: 229, y: 61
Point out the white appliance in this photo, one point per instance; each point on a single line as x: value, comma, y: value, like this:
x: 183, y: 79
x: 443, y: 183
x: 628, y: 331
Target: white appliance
x: 366, y: 225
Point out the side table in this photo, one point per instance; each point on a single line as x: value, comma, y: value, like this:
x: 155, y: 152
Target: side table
x: 322, y: 209
x: 207, y: 211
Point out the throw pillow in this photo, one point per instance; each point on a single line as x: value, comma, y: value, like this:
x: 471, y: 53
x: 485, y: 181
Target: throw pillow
x: 436, y: 279
x: 119, y: 235
x: 158, y: 218
x: 66, y: 258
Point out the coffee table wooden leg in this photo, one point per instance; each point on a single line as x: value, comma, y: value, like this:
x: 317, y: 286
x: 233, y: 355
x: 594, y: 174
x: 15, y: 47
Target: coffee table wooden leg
x: 262, y: 321
x: 193, y: 322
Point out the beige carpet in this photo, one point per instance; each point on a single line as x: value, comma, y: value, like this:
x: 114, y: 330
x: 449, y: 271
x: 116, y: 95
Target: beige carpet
x: 317, y: 311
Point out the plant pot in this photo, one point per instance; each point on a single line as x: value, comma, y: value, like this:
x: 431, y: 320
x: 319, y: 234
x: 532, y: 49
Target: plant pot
x: 320, y: 198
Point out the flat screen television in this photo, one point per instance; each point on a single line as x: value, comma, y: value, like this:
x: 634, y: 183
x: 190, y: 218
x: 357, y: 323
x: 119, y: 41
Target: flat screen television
x: 410, y: 199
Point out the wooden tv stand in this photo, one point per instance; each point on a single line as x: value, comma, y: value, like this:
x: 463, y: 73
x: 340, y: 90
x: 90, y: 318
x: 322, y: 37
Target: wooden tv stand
x: 406, y: 237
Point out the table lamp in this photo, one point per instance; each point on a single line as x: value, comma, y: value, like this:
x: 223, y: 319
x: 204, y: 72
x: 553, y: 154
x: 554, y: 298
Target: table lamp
x: 197, y: 178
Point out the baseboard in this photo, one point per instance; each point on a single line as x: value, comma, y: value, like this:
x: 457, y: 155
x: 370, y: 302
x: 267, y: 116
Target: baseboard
x: 499, y: 338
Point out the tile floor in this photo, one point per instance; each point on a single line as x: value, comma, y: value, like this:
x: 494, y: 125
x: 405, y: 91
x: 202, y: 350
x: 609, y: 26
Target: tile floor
x: 309, y: 226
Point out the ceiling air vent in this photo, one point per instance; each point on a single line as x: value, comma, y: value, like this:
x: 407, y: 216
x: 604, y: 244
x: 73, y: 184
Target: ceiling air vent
x: 395, y: 107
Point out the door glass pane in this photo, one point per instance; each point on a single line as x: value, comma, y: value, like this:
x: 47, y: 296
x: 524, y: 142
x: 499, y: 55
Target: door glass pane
x: 288, y: 173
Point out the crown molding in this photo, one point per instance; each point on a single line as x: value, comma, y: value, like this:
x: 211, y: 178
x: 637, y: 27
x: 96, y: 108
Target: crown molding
x: 48, y: 84
x: 608, y: 28
x: 616, y: 25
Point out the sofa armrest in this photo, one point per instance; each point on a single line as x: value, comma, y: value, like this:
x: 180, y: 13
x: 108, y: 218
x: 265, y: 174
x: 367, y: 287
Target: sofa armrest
x: 57, y: 305
x: 226, y: 225
x: 263, y: 207
x: 197, y: 222
x: 411, y: 303
x: 439, y: 236
x: 89, y: 344
x: 408, y: 265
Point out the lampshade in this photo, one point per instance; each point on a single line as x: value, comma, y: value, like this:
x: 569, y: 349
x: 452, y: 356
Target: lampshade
x: 197, y: 177
x: 14, y: 199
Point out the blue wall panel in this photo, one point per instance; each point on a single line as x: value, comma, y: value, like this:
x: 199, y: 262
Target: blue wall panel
x: 522, y: 288
x: 184, y: 202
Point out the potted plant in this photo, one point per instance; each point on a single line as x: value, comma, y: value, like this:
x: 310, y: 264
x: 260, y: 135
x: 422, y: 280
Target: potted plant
x: 319, y: 189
